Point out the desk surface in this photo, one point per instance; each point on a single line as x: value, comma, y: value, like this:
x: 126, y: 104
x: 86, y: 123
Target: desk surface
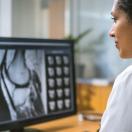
x: 68, y: 124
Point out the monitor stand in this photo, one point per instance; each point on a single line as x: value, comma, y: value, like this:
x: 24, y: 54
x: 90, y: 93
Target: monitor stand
x: 25, y: 130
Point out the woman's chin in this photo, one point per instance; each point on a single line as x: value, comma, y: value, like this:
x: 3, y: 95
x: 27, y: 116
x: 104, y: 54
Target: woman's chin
x: 125, y: 56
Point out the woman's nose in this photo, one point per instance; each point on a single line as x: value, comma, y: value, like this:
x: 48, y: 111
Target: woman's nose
x: 111, y: 32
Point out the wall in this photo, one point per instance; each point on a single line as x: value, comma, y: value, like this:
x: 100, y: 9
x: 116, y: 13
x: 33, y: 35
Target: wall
x: 25, y: 18
x: 34, y: 18
x: 56, y: 19
x: 5, y: 17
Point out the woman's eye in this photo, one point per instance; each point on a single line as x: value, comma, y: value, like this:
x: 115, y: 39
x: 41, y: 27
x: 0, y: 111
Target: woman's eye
x: 114, y: 19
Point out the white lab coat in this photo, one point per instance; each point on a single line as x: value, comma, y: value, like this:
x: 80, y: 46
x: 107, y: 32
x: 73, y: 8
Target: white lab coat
x: 118, y: 114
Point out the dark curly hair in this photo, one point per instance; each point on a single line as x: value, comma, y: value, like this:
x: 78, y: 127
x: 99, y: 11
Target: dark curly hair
x: 126, y: 6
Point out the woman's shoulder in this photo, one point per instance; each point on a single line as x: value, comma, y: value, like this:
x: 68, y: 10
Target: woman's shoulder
x: 126, y: 75
x: 127, y: 71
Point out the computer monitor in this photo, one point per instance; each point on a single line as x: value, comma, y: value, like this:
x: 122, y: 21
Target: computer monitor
x: 37, y: 81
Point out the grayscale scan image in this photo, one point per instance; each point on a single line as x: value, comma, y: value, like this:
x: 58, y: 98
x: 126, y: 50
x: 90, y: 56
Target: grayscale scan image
x: 21, y: 86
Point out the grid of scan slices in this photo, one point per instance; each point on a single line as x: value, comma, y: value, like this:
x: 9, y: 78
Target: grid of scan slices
x: 58, y: 82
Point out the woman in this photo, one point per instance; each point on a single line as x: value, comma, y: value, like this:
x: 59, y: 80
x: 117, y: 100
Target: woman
x: 118, y: 114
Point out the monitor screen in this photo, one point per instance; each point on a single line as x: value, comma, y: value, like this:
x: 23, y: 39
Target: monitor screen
x: 37, y: 81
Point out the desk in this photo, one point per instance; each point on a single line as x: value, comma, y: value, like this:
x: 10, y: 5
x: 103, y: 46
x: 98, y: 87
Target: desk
x: 68, y: 124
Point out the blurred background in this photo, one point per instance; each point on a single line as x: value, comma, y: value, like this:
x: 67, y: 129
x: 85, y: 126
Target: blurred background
x: 97, y: 62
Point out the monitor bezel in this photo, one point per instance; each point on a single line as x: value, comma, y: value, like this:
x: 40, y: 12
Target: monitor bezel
x: 18, y: 43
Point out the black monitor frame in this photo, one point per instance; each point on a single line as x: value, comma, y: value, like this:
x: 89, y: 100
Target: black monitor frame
x: 7, y: 43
